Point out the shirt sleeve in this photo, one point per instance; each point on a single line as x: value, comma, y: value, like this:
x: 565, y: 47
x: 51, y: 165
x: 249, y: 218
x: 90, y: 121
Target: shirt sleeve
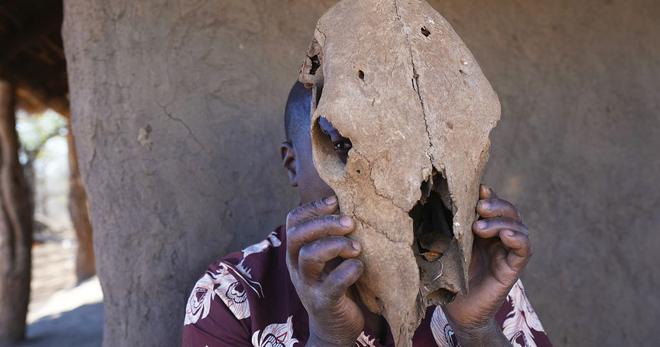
x: 209, y: 321
x: 519, y: 322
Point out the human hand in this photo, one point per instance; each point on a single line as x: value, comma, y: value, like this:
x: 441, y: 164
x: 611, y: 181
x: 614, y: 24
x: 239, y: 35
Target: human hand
x: 500, y: 252
x: 322, y: 264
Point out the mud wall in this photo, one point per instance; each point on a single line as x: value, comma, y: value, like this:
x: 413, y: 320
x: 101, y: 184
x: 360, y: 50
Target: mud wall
x: 177, y: 111
x: 577, y: 150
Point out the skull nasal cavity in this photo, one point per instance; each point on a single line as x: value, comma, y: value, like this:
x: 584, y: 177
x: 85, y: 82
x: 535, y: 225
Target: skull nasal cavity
x: 432, y: 219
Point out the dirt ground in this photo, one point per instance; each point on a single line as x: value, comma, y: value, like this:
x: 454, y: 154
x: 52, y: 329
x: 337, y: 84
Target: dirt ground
x: 61, y: 312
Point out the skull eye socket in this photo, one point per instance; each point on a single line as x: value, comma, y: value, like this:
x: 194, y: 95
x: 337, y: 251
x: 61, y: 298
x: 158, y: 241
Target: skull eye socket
x: 340, y: 144
x: 330, y: 147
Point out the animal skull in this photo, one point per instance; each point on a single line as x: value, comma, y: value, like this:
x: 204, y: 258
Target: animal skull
x: 394, y: 78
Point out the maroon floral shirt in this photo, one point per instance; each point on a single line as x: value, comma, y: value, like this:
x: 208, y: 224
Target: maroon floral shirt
x: 247, y: 299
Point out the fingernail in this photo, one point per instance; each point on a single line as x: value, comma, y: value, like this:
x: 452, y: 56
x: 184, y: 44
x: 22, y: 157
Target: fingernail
x: 346, y: 221
x: 330, y: 200
x: 508, y: 233
x: 484, y: 204
x: 482, y: 224
x: 356, y: 245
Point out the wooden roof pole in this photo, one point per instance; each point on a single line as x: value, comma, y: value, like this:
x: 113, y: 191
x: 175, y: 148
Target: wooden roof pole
x: 16, y: 211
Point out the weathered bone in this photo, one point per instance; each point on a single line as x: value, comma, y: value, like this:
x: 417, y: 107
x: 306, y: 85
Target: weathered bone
x: 394, y: 78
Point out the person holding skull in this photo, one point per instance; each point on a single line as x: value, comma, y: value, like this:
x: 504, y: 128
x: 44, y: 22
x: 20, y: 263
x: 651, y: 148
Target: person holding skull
x: 395, y: 242
x: 245, y: 299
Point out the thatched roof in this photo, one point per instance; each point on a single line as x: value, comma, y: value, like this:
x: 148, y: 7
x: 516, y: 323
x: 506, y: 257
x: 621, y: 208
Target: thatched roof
x: 31, y: 53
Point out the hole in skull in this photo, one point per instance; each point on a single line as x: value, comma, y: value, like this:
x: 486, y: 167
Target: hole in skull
x: 442, y: 295
x: 425, y: 32
x: 316, y: 64
x: 361, y: 74
x: 318, y: 91
x: 433, y: 219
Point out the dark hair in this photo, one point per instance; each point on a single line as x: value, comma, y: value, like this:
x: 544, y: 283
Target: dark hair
x: 297, y: 112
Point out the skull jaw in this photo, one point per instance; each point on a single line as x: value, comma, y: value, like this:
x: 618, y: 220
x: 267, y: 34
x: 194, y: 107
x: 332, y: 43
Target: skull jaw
x: 398, y: 301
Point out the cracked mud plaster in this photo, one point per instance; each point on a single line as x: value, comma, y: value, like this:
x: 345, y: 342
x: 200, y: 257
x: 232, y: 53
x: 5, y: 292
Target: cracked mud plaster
x: 394, y: 78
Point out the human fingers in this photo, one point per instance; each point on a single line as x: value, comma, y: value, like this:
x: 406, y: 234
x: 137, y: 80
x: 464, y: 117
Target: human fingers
x: 486, y: 192
x: 342, y: 277
x: 519, y: 246
x: 313, y: 256
x: 495, y: 207
x: 314, y: 229
x: 491, y: 227
x: 317, y: 208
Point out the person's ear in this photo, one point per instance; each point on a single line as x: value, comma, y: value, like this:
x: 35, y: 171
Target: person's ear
x: 289, y: 162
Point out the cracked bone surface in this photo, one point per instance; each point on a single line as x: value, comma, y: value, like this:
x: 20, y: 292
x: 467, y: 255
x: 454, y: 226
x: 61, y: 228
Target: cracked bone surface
x: 395, y: 78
